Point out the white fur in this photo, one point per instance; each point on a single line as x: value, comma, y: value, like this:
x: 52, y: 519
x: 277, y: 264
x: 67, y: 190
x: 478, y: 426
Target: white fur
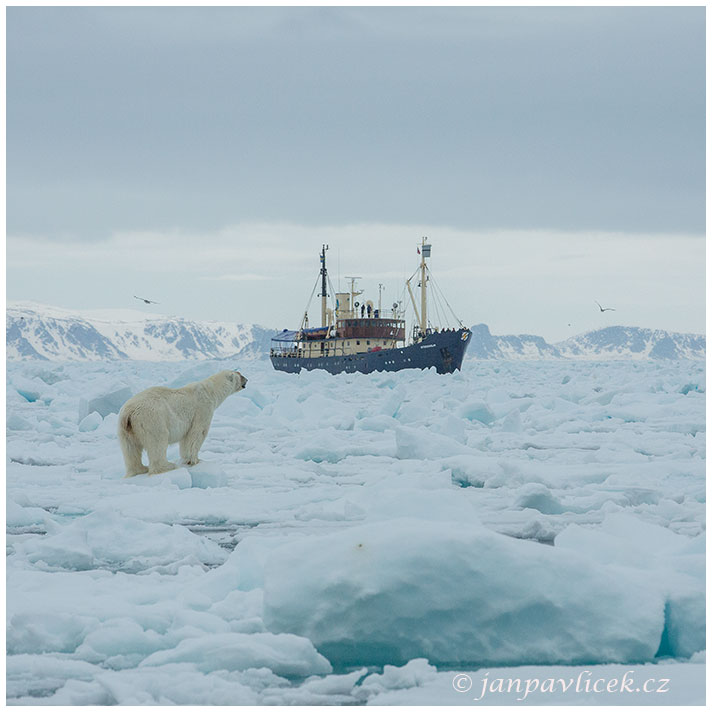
x: 157, y: 417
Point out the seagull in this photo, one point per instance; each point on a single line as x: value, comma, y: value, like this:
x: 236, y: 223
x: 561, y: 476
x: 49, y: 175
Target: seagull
x: 147, y: 301
x: 606, y: 309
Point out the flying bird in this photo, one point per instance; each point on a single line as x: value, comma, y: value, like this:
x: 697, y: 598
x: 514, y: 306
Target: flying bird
x: 147, y: 301
x: 606, y: 309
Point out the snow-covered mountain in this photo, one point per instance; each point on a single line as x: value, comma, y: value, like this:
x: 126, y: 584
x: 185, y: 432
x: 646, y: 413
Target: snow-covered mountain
x: 612, y: 342
x: 485, y: 346
x: 37, y: 331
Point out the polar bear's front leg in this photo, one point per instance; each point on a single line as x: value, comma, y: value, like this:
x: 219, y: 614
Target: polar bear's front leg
x: 192, y: 442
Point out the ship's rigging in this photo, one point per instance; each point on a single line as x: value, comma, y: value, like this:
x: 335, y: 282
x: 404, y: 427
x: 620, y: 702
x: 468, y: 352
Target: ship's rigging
x: 431, y: 298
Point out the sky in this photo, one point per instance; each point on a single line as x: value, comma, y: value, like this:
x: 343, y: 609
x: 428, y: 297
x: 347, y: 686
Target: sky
x: 200, y: 157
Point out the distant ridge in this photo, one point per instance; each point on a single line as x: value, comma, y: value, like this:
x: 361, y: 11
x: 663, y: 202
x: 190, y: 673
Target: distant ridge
x: 38, y: 331
x: 609, y: 343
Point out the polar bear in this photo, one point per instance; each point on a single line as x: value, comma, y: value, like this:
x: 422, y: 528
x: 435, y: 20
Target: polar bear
x: 157, y: 417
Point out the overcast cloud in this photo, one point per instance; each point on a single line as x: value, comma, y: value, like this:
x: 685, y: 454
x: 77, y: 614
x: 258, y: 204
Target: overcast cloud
x: 134, y: 130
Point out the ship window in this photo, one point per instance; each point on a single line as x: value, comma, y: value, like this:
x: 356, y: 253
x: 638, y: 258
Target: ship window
x: 368, y: 343
x: 358, y: 343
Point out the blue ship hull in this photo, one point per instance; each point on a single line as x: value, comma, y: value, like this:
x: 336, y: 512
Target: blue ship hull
x: 444, y: 350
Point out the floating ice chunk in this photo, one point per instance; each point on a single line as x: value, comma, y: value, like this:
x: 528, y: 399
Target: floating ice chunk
x: 329, y: 412
x: 684, y: 623
x: 336, y: 511
x: 109, y: 425
x: 477, y: 410
x: 46, y: 632
x: 256, y: 396
x: 393, y: 403
x: 104, y: 401
x: 179, y: 478
x: 499, y: 402
x: 437, y: 504
x: 415, y: 673
x: 244, y: 568
x: 207, y: 474
x: 51, y: 376
x: 467, y: 471
x: 421, y: 444
x: 670, y: 564
x: 512, y: 422
x: 286, y: 407
x: 90, y: 422
x: 119, y: 642
x: 196, y: 373
x: 645, y: 543
x: 17, y: 422
x: 176, y: 684
x: 29, y: 388
x: 328, y: 690
x: 535, y: 495
x: 376, y: 423
x: 19, y: 516
x: 242, y: 407
x: 451, y: 426
x: 644, y: 534
x: 284, y: 654
x: 105, y: 539
x: 243, y: 608
x: 331, y: 445
x: 458, y: 594
x: 38, y: 676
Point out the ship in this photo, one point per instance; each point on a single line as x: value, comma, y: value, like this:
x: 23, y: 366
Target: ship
x: 359, y: 337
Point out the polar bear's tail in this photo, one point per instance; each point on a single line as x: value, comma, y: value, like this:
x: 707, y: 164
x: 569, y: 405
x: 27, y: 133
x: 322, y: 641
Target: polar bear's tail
x: 130, y: 446
x: 125, y: 422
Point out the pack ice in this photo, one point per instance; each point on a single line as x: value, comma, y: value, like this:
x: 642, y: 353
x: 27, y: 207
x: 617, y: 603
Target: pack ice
x: 355, y: 539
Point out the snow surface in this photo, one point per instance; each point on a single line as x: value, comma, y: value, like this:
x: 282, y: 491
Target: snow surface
x: 359, y: 539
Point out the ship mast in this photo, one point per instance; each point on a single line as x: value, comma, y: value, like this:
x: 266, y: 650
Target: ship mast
x: 324, y: 248
x: 425, y: 252
x: 354, y: 293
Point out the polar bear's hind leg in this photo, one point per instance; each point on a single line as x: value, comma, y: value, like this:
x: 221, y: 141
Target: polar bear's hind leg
x: 157, y: 461
x: 132, y: 451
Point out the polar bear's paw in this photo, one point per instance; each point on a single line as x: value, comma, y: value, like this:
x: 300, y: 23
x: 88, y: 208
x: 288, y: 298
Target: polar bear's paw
x: 191, y: 461
x: 138, y: 471
x: 163, y: 467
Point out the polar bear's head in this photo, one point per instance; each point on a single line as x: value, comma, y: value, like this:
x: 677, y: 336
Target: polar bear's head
x: 237, y: 380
